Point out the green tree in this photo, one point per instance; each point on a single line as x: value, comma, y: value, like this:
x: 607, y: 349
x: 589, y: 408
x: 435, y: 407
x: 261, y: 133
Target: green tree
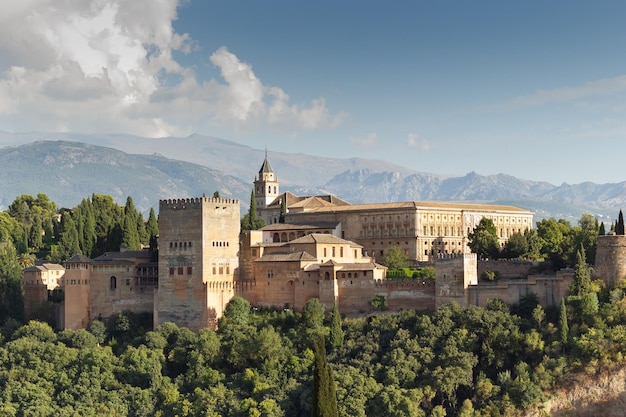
x: 563, y: 326
x: 581, y: 283
x: 68, y: 245
x: 602, y: 231
x: 324, y: 390
x: 313, y: 314
x: 216, y: 194
x: 251, y: 221
x: 11, y: 294
x: 516, y: 246
x: 619, y: 226
x: 483, y: 241
x: 336, y: 334
x: 394, y: 258
x: 130, y: 236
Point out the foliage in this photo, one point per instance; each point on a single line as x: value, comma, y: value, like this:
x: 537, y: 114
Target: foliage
x: 250, y: 220
x: 483, y: 241
x: 394, y: 258
x: 490, y: 275
x: 324, y: 391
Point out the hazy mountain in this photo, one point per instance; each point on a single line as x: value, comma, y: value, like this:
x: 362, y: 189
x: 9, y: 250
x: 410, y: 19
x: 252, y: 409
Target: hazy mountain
x: 70, y: 171
x: 69, y: 167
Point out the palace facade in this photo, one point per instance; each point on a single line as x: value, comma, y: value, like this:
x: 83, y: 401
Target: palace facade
x: 313, y: 247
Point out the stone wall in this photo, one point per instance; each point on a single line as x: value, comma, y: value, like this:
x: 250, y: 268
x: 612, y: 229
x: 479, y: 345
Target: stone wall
x: 550, y: 289
x: 198, y: 260
x: 507, y: 269
x: 610, y: 262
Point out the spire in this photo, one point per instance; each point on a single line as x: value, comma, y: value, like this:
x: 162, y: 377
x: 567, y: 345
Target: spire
x: 266, y: 168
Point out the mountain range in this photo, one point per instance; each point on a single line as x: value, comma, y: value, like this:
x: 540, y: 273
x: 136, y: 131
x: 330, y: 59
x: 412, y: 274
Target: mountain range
x: 70, y: 167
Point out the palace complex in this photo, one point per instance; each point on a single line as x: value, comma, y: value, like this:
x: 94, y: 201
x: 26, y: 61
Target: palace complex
x: 312, y: 247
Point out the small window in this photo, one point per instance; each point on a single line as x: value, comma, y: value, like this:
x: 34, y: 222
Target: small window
x: 180, y: 270
x: 113, y: 282
x: 189, y: 270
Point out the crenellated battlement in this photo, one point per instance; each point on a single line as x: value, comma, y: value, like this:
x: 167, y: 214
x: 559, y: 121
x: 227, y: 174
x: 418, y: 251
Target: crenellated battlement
x: 185, y: 203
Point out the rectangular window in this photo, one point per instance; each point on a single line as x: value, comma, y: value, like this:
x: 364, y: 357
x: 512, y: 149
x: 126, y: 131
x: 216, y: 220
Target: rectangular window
x: 189, y: 270
x: 180, y: 270
x: 171, y: 271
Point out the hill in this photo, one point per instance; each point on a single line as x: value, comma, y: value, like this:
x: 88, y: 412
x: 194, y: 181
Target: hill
x: 152, y: 169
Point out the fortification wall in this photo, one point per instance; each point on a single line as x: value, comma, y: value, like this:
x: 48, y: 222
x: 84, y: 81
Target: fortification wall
x: 507, y: 269
x: 550, y: 289
x: 610, y: 262
x: 354, y: 295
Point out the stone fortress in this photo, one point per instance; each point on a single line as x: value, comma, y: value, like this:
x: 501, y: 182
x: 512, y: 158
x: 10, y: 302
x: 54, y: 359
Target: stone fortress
x: 312, y: 247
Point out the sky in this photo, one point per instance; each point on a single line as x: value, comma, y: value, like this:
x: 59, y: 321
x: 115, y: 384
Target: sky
x: 532, y: 89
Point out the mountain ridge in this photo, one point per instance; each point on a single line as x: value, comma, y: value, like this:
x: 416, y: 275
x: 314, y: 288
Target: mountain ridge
x: 64, y: 167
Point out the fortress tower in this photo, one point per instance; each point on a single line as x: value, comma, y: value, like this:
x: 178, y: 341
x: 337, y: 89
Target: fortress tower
x: 610, y: 260
x: 198, y: 260
x: 266, y: 187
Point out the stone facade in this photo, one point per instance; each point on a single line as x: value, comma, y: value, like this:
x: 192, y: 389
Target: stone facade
x: 198, y: 260
x: 325, y: 249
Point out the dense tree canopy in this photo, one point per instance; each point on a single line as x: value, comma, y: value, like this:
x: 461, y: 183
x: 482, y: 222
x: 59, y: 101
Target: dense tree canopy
x: 483, y: 240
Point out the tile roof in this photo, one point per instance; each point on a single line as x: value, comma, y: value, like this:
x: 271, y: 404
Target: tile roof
x: 79, y: 259
x: 426, y: 205
x: 322, y: 238
x: 283, y: 257
x: 291, y: 226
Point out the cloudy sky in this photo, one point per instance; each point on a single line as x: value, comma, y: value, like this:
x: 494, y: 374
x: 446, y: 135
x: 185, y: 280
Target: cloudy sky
x: 533, y: 89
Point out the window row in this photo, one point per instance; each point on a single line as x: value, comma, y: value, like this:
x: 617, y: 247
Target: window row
x: 183, y: 245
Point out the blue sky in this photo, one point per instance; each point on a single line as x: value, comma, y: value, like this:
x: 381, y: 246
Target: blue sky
x: 532, y: 89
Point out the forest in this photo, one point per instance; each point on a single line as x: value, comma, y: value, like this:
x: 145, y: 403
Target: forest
x: 455, y: 361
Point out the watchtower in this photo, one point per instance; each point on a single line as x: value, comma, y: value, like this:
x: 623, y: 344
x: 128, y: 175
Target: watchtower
x: 198, y: 260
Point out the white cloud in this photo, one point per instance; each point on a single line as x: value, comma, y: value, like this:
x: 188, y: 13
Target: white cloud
x: 369, y: 141
x: 604, y: 87
x: 414, y: 142
x: 107, y: 66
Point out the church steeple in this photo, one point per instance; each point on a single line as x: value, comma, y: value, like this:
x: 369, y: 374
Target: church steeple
x: 266, y: 171
x: 266, y: 187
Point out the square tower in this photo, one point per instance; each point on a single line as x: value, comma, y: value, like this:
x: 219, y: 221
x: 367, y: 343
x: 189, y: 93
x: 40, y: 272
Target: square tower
x: 198, y: 260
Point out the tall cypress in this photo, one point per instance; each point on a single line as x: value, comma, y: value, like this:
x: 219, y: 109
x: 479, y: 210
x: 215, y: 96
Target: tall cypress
x: 324, y: 391
x: 563, y: 326
x: 336, y: 332
x: 619, y: 228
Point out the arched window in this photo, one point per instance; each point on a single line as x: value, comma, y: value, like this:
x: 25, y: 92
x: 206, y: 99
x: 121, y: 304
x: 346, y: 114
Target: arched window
x: 327, y: 276
x: 113, y: 282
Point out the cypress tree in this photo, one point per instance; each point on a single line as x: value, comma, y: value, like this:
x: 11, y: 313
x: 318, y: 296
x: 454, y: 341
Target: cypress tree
x: 68, y: 245
x: 601, y: 232
x: 619, y: 228
x: 336, y: 332
x: 563, y: 326
x: 581, y: 284
x: 324, y: 391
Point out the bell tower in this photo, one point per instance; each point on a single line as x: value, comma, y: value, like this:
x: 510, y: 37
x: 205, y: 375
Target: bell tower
x: 266, y: 187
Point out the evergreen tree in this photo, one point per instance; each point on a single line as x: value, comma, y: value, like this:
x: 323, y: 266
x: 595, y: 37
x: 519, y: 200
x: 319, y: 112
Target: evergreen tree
x: 619, y: 227
x: 130, y: 235
x: 11, y: 294
x: 336, y: 332
x: 250, y: 221
x: 563, y: 326
x: 602, y: 232
x: 152, y: 228
x: 216, y: 194
x: 283, y: 209
x: 581, y: 284
x: 324, y: 391
x: 68, y: 245
x: 35, y: 239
